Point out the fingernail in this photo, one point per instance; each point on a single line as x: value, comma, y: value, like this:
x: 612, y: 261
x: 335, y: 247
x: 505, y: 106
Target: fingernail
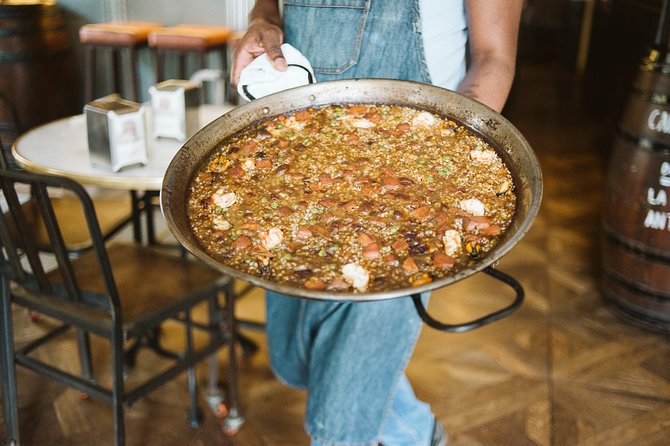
x: 280, y: 64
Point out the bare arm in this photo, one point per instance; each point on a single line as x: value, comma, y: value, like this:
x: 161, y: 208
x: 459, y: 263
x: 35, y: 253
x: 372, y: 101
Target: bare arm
x: 264, y: 35
x: 493, y: 27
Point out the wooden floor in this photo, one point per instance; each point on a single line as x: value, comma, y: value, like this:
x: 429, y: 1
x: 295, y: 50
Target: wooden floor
x: 562, y: 371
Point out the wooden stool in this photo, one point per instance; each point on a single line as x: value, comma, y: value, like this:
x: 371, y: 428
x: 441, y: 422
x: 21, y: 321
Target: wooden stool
x: 186, y: 39
x: 116, y: 36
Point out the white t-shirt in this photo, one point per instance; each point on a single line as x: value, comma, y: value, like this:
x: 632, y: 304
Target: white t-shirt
x: 444, y: 29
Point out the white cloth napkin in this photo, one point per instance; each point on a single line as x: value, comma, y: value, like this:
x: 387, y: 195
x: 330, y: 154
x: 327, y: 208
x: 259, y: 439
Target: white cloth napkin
x: 259, y: 78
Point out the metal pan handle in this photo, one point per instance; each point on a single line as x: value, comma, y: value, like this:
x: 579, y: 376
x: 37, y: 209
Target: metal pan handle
x: 484, y: 320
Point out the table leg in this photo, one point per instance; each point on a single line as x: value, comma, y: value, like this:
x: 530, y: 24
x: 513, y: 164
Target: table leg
x: 149, y: 210
x: 136, y: 210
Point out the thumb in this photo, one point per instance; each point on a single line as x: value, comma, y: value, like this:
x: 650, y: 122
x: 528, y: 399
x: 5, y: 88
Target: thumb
x: 277, y: 58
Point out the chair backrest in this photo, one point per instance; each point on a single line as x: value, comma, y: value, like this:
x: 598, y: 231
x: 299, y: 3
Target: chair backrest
x: 20, y: 260
x: 10, y: 127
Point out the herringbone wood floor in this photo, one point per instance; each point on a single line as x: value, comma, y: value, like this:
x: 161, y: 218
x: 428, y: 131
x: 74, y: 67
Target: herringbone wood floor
x: 562, y: 371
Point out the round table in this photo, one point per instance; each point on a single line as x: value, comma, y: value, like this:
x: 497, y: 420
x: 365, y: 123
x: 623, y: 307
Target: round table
x: 61, y: 148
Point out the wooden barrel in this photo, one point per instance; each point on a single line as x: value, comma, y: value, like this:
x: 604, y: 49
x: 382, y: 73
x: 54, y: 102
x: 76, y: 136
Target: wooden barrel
x: 38, y: 72
x: 636, y: 216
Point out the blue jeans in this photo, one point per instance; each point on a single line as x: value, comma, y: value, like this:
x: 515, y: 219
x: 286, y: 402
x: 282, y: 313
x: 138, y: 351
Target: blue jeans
x: 350, y: 357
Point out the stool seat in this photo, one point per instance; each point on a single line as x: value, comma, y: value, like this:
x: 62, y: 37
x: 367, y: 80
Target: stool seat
x: 120, y: 33
x: 189, y: 37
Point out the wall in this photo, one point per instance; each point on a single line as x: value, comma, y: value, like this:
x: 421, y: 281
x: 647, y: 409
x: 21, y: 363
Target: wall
x: 171, y: 12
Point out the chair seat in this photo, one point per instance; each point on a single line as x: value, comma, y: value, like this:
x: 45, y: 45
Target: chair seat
x: 189, y: 37
x: 137, y: 271
x: 117, y: 33
x: 112, y: 213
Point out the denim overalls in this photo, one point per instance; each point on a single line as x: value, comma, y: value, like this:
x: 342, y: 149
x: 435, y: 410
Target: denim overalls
x: 349, y: 356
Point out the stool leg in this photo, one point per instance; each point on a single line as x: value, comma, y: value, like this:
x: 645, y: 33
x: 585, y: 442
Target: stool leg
x: 230, y: 94
x: 90, y: 72
x: 181, y: 57
x: 134, y: 78
x: 116, y: 60
x: 202, y: 60
x: 227, y: 87
x: 224, y: 60
x: 158, y: 62
x: 202, y: 56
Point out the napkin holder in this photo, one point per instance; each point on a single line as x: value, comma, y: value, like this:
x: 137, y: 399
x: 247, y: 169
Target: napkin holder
x: 175, y: 105
x: 116, y: 130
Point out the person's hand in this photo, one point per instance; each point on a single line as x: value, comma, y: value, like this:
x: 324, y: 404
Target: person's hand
x: 261, y: 37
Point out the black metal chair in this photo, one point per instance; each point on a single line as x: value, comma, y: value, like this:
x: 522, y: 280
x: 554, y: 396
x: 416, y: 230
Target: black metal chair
x: 121, y: 292
x: 114, y: 213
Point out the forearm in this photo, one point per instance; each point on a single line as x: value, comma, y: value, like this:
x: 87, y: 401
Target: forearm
x: 489, y: 80
x: 493, y: 27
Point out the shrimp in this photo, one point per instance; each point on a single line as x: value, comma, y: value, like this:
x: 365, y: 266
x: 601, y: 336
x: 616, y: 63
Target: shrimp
x: 362, y: 123
x: 224, y: 200
x: 424, y: 119
x: 452, y: 242
x: 356, y: 275
x: 272, y: 238
x: 473, y: 206
x: 482, y: 156
x: 220, y: 223
x: 248, y: 165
